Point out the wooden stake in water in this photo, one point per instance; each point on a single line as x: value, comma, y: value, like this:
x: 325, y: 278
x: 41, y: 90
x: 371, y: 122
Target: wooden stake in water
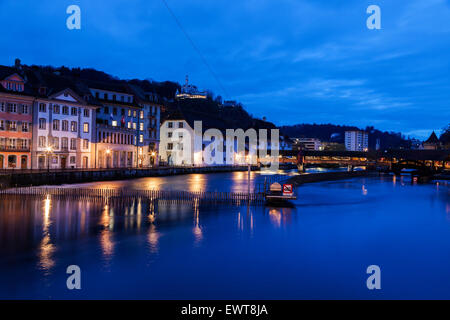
x: 248, y: 180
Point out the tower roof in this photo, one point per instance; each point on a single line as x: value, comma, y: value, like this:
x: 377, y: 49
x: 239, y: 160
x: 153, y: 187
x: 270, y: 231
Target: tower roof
x: 433, y: 138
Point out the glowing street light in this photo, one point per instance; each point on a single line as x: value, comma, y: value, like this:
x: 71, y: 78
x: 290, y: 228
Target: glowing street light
x: 49, y: 151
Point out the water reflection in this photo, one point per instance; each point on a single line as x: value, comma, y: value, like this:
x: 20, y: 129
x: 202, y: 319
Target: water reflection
x: 46, y: 248
x: 280, y: 216
x: 107, y: 224
x: 329, y: 217
x: 197, y: 230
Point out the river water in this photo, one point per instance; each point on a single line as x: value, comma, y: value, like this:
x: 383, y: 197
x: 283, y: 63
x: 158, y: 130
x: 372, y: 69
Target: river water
x: 318, y: 249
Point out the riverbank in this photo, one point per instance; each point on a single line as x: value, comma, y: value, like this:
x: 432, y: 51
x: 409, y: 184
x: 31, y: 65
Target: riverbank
x: 30, y: 178
x: 329, y: 176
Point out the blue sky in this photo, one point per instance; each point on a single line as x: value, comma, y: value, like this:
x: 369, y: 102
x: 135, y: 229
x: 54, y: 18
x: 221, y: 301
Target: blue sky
x: 292, y: 61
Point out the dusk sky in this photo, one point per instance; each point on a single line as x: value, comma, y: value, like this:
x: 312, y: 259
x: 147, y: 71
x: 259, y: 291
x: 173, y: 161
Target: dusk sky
x: 292, y: 61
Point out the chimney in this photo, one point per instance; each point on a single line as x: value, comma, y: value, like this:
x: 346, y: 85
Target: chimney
x: 17, y: 63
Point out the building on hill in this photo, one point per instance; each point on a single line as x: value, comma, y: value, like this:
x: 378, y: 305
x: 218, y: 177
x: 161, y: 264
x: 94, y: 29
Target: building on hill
x: 356, y: 141
x: 432, y: 143
x: 16, y: 101
x: 189, y: 91
x: 310, y: 144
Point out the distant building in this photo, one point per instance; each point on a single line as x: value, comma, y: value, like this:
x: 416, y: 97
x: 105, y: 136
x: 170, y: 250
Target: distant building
x: 356, y: 141
x: 189, y: 91
x: 230, y: 103
x: 332, y: 146
x: 432, y: 143
x: 309, y: 144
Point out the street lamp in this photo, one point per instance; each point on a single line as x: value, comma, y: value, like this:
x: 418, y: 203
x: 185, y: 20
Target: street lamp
x: 49, y: 151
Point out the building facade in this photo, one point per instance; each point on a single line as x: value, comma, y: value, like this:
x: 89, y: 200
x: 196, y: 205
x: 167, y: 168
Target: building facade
x: 356, y: 141
x: 63, y: 133
x: 149, y: 130
x: 310, y: 144
x: 15, y: 120
x: 118, y: 126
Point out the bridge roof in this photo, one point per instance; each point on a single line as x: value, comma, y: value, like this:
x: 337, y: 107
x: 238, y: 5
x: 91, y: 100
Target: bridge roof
x: 436, y: 155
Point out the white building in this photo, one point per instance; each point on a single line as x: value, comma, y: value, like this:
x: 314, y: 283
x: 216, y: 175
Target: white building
x: 182, y: 144
x: 64, y: 125
x: 310, y: 144
x: 189, y: 91
x: 356, y: 141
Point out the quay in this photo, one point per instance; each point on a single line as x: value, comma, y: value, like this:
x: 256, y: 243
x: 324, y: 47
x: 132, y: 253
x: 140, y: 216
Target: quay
x: 329, y: 176
x: 22, y: 178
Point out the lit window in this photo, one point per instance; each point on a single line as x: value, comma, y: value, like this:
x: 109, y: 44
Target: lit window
x: 114, y: 123
x: 86, y: 127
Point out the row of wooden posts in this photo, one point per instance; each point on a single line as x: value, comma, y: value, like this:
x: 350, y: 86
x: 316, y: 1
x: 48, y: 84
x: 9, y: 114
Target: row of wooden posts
x: 102, y: 194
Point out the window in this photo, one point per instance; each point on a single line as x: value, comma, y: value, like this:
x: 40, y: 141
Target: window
x: 2, y: 107
x: 2, y: 124
x: 141, y: 114
x: 141, y: 138
x: 12, y: 107
x: 55, y: 143
x: 134, y: 125
x: 86, y: 113
x: 85, y: 144
x: 55, y: 160
x: 65, y: 125
x: 105, y: 110
x: 11, y: 125
x: 42, y: 123
x: 122, y: 111
x: 169, y: 124
x: 129, y: 112
x: 24, y: 109
x: 42, y: 107
x: 180, y: 125
x: 12, y: 161
x: 169, y: 134
x: 56, y: 109
x: 25, y: 127
x: 73, y: 144
x: 141, y: 126
x: 114, y: 123
x: 114, y: 110
x: 86, y: 127
x: 64, y: 143
x: 72, y: 160
x: 73, y: 111
x: 73, y: 126
x: 42, y: 142
x: 134, y: 114
x: 169, y: 146
x: 129, y: 125
x: 65, y: 110
x: 56, y: 125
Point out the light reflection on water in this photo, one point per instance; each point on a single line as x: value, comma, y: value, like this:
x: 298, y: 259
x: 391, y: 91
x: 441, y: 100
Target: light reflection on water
x: 161, y: 249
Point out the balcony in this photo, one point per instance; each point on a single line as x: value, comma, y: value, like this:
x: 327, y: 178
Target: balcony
x: 14, y: 149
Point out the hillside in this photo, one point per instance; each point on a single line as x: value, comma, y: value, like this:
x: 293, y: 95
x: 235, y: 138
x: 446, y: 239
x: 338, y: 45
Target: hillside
x: 336, y: 133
